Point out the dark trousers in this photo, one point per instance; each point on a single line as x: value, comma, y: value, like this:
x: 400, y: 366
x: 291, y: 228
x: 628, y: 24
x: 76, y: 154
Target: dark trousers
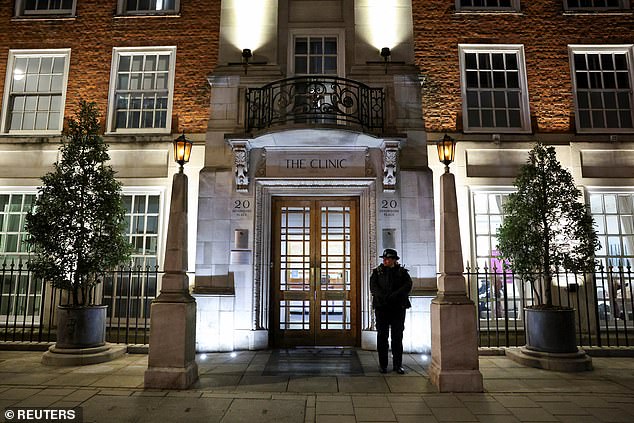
x: 387, y: 317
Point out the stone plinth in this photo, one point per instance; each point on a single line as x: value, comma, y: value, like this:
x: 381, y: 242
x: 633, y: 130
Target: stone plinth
x: 454, y: 366
x: 172, y: 353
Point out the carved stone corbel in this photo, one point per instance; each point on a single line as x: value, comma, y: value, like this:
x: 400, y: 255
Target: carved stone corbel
x: 390, y: 164
x: 240, y: 150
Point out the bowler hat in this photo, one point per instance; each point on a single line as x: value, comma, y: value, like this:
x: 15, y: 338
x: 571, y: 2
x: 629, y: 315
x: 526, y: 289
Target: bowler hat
x: 390, y: 253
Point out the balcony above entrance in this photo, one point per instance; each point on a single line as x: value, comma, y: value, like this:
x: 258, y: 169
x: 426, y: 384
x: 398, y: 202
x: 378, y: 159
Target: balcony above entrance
x: 315, y: 102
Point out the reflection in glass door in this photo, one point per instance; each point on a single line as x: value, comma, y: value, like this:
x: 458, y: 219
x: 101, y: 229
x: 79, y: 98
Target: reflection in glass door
x: 315, y: 272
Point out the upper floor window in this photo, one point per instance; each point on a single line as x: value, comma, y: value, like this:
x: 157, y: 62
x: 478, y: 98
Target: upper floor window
x: 494, y: 88
x: 316, y: 54
x: 44, y: 7
x: 488, y: 5
x: 141, y: 89
x: 34, y: 100
x: 596, y: 4
x: 148, y: 7
x: 602, y: 82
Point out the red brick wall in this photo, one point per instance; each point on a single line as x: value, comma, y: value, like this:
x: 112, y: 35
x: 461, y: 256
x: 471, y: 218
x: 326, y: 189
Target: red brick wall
x: 95, y: 31
x: 544, y: 31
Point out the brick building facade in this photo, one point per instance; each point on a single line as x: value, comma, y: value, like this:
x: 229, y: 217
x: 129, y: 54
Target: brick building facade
x: 331, y: 108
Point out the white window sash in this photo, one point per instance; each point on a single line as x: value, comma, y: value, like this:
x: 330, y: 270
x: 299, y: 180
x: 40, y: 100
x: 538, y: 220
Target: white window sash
x: 118, y: 52
x: 601, y: 49
x: 338, y: 34
x: 15, y: 54
x: 22, y: 12
x: 514, y: 7
x: 623, y: 5
x: 518, y: 50
x: 121, y: 10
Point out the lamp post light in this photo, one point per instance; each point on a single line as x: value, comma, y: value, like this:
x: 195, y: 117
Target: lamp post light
x: 446, y: 151
x: 172, y: 352
x: 454, y: 346
x: 182, y: 150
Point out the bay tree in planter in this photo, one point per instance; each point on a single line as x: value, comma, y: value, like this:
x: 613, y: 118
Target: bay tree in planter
x: 76, y: 229
x: 547, y: 229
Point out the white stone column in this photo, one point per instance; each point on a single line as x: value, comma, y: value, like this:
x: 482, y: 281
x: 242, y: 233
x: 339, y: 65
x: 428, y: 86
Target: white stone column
x: 454, y: 344
x: 172, y: 353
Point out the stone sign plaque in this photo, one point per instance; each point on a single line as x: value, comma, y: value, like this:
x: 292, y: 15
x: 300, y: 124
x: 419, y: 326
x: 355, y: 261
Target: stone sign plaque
x: 329, y: 163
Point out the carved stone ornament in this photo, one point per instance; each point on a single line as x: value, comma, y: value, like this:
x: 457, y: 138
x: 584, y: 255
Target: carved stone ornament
x: 240, y: 150
x: 390, y: 164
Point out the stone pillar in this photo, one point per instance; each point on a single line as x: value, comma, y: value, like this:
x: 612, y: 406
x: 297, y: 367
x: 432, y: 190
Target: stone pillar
x: 172, y: 353
x: 454, y: 344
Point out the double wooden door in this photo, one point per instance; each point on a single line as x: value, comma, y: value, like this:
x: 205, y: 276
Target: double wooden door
x: 315, y: 272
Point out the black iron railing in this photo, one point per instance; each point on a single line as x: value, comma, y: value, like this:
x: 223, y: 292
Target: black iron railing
x: 315, y: 100
x: 28, y: 305
x: 603, y: 301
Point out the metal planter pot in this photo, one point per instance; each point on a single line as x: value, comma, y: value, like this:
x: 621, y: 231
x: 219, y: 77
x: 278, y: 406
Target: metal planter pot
x: 551, y: 330
x: 81, y: 327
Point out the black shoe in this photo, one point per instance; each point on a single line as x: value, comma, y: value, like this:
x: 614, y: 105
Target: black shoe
x: 399, y: 370
x: 383, y: 370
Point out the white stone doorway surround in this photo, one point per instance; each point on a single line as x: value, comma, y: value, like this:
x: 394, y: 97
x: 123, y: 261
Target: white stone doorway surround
x: 266, y: 189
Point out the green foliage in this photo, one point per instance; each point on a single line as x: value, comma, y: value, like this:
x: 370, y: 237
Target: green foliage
x: 545, y: 226
x: 76, y: 225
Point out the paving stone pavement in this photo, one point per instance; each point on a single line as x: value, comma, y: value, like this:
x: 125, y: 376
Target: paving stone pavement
x: 232, y: 389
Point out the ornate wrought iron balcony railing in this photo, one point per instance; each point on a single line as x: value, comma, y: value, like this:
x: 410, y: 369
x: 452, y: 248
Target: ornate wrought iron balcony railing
x: 315, y: 100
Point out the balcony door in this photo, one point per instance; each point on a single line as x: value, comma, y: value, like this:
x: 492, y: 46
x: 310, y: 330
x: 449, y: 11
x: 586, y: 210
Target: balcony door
x: 315, y: 272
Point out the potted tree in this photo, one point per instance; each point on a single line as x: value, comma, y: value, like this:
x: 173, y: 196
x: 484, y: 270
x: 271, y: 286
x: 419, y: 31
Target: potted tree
x: 546, y: 229
x: 75, y: 229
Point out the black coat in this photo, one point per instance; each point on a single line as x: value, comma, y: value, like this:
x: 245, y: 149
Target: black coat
x: 390, y: 287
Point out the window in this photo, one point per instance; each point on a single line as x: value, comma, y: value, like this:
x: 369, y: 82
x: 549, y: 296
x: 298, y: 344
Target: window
x: 315, y: 55
x: 502, y: 5
x: 130, y: 293
x: 499, y: 293
x: 141, y: 90
x: 39, y: 8
x: 602, y: 78
x: 494, y: 89
x: 613, y: 214
x: 148, y: 7
x: 34, y: 102
x: 142, y: 227
x: 21, y: 292
x: 597, y: 5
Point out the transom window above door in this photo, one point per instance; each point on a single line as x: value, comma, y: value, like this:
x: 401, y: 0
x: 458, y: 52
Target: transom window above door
x: 315, y: 55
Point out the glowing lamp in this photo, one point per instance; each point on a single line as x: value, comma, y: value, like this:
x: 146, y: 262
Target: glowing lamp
x: 446, y: 151
x: 182, y: 150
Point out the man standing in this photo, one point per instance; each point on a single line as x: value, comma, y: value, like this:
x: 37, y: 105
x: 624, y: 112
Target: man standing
x: 390, y: 285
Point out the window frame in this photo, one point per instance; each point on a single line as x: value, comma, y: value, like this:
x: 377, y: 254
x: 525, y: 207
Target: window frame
x: 15, y: 54
x: 627, y: 49
x: 339, y: 34
x: 623, y: 5
x: 515, y: 7
x: 117, y: 53
x: 121, y: 10
x: 524, y: 104
x: 58, y: 13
